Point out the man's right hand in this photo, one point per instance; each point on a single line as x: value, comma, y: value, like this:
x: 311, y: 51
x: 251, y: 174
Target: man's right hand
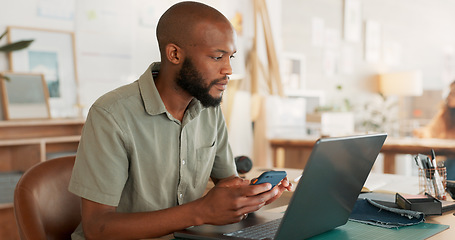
x: 231, y: 199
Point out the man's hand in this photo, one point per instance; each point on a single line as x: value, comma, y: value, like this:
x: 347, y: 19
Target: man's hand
x: 284, y: 185
x: 232, y: 198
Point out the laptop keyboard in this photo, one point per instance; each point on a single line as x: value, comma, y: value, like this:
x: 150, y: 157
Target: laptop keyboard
x: 262, y: 231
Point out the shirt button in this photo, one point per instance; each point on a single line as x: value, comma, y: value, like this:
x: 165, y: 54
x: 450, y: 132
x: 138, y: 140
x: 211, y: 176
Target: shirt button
x: 180, y: 195
x: 183, y: 162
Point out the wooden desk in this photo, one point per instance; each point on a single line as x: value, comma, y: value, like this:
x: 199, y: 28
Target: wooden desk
x: 388, y: 183
x: 446, y: 219
x: 294, y: 152
x: 409, y: 184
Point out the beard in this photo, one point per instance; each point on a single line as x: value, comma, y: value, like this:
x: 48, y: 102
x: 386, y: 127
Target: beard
x: 190, y: 80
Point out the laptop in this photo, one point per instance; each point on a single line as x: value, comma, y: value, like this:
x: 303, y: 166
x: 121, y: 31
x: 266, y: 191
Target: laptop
x: 323, y: 199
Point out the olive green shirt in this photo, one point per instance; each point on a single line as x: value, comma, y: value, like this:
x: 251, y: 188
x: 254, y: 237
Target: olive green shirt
x: 135, y: 155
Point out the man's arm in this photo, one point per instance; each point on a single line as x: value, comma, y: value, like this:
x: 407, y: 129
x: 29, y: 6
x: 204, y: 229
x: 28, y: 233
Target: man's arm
x: 101, y: 221
x: 226, y: 203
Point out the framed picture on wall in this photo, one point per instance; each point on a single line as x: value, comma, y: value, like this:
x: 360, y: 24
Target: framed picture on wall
x: 24, y: 96
x: 293, y: 73
x: 52, y: 54
x: 372, y: 41
x: 352, y: 20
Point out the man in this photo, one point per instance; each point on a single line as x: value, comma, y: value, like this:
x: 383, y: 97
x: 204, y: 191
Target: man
x: 148, y: 148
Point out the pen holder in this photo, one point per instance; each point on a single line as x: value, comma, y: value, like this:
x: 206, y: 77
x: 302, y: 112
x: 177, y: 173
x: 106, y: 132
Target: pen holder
x: 428, y: 182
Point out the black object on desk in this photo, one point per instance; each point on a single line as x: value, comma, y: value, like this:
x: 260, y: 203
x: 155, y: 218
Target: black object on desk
x: 426, y: 204
x: 243, y: 164
x: 450, y: 186
x: 388, y: 199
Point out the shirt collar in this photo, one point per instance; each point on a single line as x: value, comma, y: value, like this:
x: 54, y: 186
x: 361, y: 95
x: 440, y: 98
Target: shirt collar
x: 151, y: 97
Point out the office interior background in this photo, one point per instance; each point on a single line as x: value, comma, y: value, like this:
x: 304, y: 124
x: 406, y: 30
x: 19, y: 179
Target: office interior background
x: 332, y: 56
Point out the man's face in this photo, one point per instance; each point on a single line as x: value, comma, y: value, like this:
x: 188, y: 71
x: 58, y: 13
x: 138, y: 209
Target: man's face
x: 207, y: 63
x: 190, y: 80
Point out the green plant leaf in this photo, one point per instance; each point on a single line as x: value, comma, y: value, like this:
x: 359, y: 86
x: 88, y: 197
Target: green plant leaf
x: 4, y: 34
x: 16, y: 46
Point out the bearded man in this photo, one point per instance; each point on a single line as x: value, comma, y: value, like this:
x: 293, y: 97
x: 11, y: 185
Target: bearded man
x: 149, y: 148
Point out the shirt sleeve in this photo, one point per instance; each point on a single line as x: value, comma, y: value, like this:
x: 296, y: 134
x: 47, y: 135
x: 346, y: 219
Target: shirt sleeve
x: 224, y: 165
x: 101, y: 168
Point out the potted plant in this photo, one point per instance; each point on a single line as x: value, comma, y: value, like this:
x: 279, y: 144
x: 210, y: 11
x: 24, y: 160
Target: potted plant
x: 14, y: 46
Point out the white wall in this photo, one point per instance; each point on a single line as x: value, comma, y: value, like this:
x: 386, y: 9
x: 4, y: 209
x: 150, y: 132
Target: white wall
x: 423, y: 30
x: 115, y: 39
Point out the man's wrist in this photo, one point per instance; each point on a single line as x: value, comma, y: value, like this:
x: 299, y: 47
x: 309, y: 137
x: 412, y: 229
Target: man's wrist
x: 196, y: 212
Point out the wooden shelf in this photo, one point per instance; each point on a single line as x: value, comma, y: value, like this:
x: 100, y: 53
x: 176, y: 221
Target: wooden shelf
x: 21, y: 154
x: 40, y: 128
x: 26, y: 143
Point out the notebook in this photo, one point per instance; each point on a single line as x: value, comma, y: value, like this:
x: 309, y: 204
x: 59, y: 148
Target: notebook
x: 323, y: 199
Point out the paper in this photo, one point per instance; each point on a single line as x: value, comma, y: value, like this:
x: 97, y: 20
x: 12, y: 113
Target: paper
x: 391, y: 183
x: 352, y: 20
x: 60, y: 9
x: 372, y: 41
x: 318, y: 32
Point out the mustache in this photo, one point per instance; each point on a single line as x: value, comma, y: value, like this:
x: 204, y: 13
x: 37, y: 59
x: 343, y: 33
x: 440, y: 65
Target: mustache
x: 218, y: 80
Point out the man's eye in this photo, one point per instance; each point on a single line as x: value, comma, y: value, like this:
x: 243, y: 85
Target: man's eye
x: 217, y: 58
x: 231, y: 57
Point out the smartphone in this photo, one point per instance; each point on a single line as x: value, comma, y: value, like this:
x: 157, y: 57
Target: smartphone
x: 272, y: 177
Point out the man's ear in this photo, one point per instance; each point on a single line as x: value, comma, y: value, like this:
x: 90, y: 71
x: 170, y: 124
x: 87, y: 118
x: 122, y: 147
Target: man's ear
x: 174, y: 53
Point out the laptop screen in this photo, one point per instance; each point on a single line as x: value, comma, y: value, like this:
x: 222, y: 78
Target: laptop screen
x: 330, y: 184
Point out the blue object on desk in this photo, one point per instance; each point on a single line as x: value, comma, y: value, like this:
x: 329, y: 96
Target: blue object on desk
x: 450, y: 168
x: 369, y: 212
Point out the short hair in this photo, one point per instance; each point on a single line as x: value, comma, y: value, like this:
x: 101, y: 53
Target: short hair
x: 176, y: 24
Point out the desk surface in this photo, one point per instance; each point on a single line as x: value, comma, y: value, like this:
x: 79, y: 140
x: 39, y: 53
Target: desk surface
x: 392, y: 146
x: 383, y: 183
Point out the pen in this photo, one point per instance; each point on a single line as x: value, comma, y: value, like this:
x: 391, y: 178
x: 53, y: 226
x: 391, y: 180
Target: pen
x: 418, y: 162
x: 426, y: 166
x: 432, y: 177
x: 439, y: 186
x: 433, y: 155
x: 438, y: 182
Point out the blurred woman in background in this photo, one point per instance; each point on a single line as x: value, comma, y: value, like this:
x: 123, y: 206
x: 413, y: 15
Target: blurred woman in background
x: 443, y: 126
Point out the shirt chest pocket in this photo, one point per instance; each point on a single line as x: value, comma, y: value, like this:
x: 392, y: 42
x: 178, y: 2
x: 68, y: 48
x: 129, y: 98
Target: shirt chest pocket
x: 203, y: 163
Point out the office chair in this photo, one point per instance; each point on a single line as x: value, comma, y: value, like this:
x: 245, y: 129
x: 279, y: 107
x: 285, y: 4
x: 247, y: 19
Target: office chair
x: 43, y: 206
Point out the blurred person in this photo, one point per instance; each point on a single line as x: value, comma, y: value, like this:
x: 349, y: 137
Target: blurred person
x: 443, y: 126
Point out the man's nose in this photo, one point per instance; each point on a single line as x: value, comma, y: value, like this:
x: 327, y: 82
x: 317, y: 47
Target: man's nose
x: 227, y: 68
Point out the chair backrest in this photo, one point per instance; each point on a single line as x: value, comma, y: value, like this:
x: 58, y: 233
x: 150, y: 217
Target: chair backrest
x: 43, y: 206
